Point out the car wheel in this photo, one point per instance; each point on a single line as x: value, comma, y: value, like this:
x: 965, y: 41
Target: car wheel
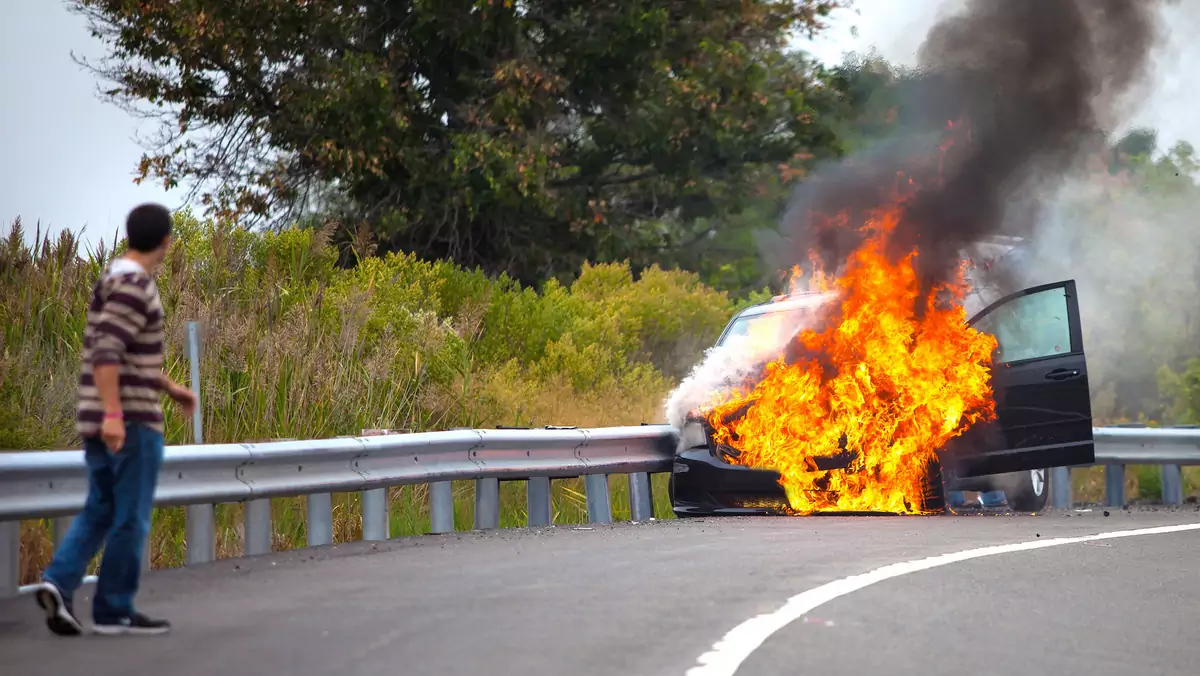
x: 1028, y: 491
x: 935, y: 489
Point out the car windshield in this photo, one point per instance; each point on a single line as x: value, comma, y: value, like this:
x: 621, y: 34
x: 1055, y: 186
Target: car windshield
x: 764, y: 324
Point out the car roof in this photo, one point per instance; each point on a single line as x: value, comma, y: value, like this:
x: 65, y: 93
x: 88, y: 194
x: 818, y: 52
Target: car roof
x: 997, y: 247
x: 994, y: 248
x: 794, y: 301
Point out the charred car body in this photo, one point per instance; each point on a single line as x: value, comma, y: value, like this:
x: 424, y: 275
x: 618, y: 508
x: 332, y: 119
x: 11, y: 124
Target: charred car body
x: 1043, y: 411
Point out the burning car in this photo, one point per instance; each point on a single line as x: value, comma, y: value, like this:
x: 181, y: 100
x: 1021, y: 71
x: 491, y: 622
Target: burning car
x: 1036, y: 413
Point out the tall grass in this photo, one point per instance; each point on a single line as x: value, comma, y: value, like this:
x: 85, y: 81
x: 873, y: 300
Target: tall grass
x: 295, y: 347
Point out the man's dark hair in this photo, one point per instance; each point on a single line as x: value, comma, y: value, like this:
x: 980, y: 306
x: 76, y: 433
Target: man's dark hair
x: 147, y: 226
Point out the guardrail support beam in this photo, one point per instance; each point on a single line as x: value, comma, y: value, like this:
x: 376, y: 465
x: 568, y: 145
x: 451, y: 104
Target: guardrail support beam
x: 51, y: 485
x: 320, y: 519
x: 1060, y: 487
x: 376, y: 524
x: 200, y: 533
x: 256, y: 521
x: 537, y: 497
x: 641, y: 505
x: 10, y: 558
x: 487, y: 503
x: 441, y: 507
x: 1172, y: 485
x: 599, y: 505
x: 1114, y: 485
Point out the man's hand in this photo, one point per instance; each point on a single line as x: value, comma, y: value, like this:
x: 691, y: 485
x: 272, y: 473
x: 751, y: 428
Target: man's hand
x: 112, y: 431
x: 179, y: 394
x: 183, y: 396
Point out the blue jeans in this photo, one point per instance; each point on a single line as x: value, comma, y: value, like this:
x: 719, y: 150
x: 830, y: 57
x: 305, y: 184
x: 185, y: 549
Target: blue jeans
x: 117, y: 515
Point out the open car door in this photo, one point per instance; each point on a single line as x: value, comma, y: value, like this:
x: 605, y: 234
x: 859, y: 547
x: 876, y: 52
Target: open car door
x: 1040, y: 380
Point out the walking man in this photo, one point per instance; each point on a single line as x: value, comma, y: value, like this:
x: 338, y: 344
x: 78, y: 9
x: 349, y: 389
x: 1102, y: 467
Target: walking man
x: 119, y: 417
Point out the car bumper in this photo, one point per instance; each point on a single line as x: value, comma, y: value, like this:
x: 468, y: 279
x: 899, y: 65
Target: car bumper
x: 705, y: 485
x: 702, y: 484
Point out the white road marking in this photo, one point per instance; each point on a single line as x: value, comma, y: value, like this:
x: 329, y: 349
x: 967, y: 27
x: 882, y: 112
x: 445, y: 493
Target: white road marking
x: 733, y: 649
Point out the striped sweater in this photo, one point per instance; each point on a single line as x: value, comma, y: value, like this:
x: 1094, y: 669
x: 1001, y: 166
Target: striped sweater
x: 125, y: 327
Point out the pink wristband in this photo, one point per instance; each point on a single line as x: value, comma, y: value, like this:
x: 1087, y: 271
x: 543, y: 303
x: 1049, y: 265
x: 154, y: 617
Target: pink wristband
x: 117, y: 416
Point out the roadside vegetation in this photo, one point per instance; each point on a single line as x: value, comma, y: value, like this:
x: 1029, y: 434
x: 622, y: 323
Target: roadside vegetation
x: 414, y: 243
x: 295, y: 346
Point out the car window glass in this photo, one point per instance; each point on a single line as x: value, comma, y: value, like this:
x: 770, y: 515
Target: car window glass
x: 740, y: 327
x: 1030, y: 326
x: 769, y: 329
x: 764, y: 326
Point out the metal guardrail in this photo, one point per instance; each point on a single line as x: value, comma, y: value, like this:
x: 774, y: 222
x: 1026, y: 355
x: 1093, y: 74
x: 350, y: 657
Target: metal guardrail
x: 53, y: 484
x: 1135, y: 444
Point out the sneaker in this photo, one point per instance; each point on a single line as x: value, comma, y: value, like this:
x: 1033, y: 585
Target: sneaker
x: 59, y: 617
x: 137, y: 624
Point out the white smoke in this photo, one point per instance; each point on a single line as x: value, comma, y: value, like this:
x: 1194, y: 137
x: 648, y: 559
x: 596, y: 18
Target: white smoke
x: 1135, y: 257
x: 723, y: 369
x: 740, y: 359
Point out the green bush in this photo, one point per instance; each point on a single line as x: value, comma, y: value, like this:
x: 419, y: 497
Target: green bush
x: 295, y: 347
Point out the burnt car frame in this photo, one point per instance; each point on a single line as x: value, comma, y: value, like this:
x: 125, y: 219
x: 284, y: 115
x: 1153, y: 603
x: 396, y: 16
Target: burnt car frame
x: 1043, y: 416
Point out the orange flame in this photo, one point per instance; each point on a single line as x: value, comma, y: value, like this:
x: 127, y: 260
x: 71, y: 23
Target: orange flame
x: 879, y: 378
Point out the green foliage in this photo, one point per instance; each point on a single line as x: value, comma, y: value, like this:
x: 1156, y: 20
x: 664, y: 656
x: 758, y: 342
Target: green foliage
x: 667, y: 318
x: 44, y: 290
x: 1181, y: 389
x: 524, y: 138
x: 729, y: 248
x: 296, y: 347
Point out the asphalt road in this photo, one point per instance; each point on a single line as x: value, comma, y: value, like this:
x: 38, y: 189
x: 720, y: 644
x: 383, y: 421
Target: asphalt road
x: 650, y: 599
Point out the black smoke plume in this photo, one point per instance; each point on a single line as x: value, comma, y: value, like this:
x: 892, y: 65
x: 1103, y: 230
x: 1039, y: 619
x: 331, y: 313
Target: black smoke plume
x: 1033, y: 81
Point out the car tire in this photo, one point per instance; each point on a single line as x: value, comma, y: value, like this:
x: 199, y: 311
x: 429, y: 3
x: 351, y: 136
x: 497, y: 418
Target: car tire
x: 935, y: 489
x: 1027, y: 491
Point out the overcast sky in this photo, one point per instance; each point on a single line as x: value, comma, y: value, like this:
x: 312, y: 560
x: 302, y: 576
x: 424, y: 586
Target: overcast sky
x: 69, y: 158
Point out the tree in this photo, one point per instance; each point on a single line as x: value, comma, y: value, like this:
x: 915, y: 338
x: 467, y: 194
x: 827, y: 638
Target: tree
x: 520, y: 136
x: 731, y: 249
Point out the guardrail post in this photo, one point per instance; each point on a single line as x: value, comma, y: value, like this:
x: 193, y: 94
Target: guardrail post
x: 256, y: 520
x: 60, y: 527
x: 641, y: 506
x: 537, y: 497
x: 320, y: 519
x: 598, y: 503
x: 487, y: 503
x: 200, y: 527
x: 1060, y: 487
x: 200, y: 534
x: 375, y: 514
x: 10, y: 558
x: 193, y: 334
x: 1172, y: 485
x: 1114, y: 485
x: 441, y: 507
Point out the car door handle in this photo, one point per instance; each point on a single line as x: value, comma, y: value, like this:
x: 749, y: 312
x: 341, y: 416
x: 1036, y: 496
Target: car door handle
x: 1062, y: 374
